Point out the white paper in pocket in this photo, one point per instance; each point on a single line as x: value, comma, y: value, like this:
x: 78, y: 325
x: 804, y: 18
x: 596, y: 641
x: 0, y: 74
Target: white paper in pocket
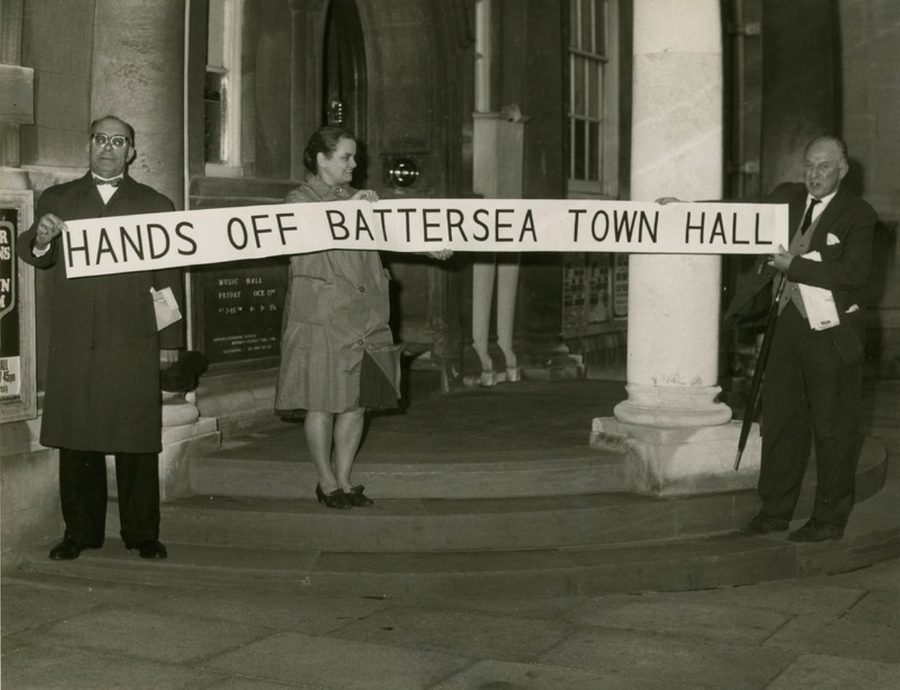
x: 165, y: 306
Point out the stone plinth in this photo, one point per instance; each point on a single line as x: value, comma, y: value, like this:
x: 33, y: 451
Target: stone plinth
x: 678, y: 461
x: 180, y: 443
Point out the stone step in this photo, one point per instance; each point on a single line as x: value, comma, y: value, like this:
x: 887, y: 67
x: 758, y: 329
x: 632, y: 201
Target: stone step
x: 679, y: 564
x: 240, y: 470
x: 435, y: 525
x: 497, y: 474
x: 664, y: 551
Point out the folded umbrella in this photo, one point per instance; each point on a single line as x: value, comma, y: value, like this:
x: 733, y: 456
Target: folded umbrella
x: 756, y: 383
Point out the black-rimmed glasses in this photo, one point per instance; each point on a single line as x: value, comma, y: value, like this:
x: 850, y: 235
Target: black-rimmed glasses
x: 117, y: 141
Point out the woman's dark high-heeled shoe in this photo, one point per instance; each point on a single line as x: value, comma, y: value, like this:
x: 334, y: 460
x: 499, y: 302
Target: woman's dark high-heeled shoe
x: 336, y: 499
x: 358, y: 498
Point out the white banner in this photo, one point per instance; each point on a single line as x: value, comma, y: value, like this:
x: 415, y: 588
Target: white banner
x: 120, y: 244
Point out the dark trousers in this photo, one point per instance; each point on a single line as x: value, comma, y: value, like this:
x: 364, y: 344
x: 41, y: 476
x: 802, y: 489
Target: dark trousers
x: 83, y: 495
x: 809, y: 394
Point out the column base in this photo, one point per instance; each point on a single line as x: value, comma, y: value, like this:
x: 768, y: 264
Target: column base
x: 665, y: 461
x: 672, y: 406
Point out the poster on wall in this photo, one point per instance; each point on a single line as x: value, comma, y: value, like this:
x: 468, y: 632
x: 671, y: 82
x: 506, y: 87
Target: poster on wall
x: 240, y: 307
x: 620, y: 286
x: 17, y: 382
x: 586, y: 293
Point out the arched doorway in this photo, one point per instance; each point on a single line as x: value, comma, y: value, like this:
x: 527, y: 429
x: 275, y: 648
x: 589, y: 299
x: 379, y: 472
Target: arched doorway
x: 344, y: 69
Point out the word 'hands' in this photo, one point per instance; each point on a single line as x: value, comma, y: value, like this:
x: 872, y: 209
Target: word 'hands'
x: 663, y: 200
x: 365, y: 195
x: 48, y: 227
x: 440, y: 254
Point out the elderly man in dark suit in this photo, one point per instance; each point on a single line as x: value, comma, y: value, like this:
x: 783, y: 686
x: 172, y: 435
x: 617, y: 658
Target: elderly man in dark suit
x: 813, y: 382
x: 105, y: 351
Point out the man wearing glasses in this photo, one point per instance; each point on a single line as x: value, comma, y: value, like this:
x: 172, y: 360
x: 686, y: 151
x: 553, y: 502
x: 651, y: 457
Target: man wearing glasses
x: 102, y: 390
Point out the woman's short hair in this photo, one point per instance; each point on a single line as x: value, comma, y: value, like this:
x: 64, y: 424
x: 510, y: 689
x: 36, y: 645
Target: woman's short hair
x: 324, y: 140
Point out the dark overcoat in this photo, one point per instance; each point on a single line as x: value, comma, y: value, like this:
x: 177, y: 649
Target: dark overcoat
x: 102, y: 389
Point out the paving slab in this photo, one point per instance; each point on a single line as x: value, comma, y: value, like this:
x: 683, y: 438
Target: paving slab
x: 306, y: 661
x: 307, y: 615
x: 41, y: 667
x: 880, y: 606
x: 725, y: 623
x: 27, y: 603
x: 505, y: 675
x: 27, y: 606
x: 462, y: 633
x: 238, y: 683
x: 540, y: 608
x: 787, y: 597
x: 879, y: 575
x: 680, y: 660
x: 839, y: 637
x: 820, y: 672
x: 173, y: 639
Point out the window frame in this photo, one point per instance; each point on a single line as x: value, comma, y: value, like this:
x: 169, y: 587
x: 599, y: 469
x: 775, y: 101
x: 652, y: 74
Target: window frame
x: 231, y: 28
x: 607, y: 115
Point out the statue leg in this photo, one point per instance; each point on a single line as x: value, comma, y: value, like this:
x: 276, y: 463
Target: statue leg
x: 482, y: 294
x: 507, y: 287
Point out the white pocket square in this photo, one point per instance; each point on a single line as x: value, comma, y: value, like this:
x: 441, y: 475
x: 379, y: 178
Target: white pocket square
x: 831, y: 240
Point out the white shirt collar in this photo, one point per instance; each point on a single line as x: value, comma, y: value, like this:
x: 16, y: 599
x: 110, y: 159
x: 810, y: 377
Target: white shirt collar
x: 824, y: 200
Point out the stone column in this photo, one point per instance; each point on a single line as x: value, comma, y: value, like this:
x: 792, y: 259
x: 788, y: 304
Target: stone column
x: 677, y: 432
x: 138, y: 74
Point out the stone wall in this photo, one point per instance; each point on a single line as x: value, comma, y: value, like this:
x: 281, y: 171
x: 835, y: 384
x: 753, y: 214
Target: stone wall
x: 870, y: 53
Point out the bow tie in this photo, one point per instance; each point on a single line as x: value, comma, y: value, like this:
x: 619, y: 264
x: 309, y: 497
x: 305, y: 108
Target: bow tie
x: 113, y: 181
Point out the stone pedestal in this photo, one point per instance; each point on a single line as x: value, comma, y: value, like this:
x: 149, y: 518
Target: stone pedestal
x: 678, y: 461
x: 672, y: 424
x: 185, y: 433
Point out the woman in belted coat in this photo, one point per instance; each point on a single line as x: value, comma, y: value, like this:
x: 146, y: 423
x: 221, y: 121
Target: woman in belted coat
x: 337, y: 351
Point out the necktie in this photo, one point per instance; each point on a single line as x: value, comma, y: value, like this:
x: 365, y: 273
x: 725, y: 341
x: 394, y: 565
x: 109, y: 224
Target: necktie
x: 113, y: 181
x: 807, y: 217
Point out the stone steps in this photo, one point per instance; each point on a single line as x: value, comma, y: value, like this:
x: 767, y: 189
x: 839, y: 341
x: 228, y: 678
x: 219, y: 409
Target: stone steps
x: 671, y: 565
x: 241, y: 472
x: 471, y: 518
x: 419, y: 525
x: 640, y: 544
x: 554, y: 472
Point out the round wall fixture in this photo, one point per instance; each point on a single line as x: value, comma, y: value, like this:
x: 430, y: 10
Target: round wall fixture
x: 403, y: 172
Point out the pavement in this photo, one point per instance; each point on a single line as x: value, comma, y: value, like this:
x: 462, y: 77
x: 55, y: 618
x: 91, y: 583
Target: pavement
x: 837, y: 631
x: 822, y: 631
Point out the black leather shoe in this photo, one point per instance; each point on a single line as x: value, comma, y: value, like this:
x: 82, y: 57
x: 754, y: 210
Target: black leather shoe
x: 336, y: 499
x: 149, y: 548
x: 69, y: 549
x: 763, y: 524
x: 816, y: 530
x: 358, y: 498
